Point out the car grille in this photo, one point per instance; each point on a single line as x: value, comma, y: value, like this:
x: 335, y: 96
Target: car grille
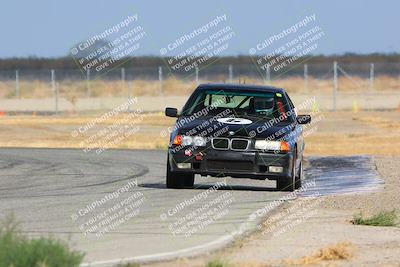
x: 220, y: 143
x: 221, y: 165
x: 238, y: 144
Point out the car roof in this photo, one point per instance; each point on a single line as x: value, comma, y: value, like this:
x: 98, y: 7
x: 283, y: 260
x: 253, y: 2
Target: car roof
x: 230, y: 86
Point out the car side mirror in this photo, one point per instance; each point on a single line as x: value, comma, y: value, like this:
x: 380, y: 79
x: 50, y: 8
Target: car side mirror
x: 303, y: 119
x: 171, y: 112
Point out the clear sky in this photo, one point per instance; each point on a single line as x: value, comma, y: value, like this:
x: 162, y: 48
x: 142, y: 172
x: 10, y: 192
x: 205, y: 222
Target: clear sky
x: 49, y: 28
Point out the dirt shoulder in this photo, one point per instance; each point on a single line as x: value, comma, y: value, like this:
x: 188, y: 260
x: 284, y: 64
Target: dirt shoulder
x: 327, y: 225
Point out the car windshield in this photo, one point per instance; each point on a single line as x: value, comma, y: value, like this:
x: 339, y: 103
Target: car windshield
x: 239, y: 102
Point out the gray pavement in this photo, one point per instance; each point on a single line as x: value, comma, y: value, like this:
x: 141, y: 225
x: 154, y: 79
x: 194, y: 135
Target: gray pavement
x: 72, y: 195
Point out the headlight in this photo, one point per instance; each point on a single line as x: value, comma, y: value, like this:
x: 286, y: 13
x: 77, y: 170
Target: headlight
x: 271, y: 145
x: 193, y: 140
x: 199, y: 141
x: 267, y: 145
x: 187, y: 140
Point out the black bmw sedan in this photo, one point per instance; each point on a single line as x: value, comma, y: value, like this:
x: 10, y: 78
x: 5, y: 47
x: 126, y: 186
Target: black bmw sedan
x: 244, y: 131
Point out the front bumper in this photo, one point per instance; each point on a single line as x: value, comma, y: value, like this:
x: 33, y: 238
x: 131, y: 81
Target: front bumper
x: 241, y: 164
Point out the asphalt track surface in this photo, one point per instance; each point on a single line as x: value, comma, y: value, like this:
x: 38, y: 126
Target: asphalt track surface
x: 49, y: 190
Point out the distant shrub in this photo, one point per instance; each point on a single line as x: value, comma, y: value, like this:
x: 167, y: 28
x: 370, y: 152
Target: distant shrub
x: 384, y: 218
x: 218, y: 263
x: 17, y: 250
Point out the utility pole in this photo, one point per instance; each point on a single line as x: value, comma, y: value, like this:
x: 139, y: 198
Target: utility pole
x: 17, y: 83
x: 230, y: 69
x: 335, y: 84
x: 268, y: 74
x: 371, y: 77
x: 129, y: 94
x: 306, y: 78
x: 53, y: 81
x: 160, y: 79
x: 197, y: 75
x: 54, y: 88
x: 56, y: 96
x: 88, y: 93
x: 123, y: 78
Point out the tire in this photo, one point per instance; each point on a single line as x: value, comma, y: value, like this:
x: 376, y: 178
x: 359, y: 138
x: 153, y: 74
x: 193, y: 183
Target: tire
x: 299, y: 177
x: 288, y: 184
x: 178, y: 180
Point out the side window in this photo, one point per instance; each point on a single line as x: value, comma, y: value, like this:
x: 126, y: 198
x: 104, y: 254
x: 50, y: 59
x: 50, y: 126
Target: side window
x: 291, y: 105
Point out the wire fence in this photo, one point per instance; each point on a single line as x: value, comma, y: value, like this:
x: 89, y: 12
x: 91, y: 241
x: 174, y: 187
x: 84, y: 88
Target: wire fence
x: 305, y: 78
x: 223, y: 73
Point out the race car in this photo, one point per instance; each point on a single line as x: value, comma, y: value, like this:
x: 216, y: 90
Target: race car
x: 241, y: 131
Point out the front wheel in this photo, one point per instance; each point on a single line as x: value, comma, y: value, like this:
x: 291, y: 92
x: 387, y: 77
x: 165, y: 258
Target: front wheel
x: 289, y: 184
x: 178, y: 180
x: 299, y: 177
x: 286, y: 184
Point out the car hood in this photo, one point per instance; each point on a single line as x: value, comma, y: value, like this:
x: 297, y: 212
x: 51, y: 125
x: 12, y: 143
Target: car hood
x: 242, y: 126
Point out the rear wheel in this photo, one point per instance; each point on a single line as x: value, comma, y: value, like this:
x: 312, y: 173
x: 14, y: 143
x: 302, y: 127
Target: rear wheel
x: 178, y: 180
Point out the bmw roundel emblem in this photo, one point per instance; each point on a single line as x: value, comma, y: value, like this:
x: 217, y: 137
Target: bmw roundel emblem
x: 231, y: 132
x: 230, y: 120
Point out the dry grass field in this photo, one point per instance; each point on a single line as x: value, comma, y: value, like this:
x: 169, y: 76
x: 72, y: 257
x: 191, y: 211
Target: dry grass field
x: 366, y: 132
